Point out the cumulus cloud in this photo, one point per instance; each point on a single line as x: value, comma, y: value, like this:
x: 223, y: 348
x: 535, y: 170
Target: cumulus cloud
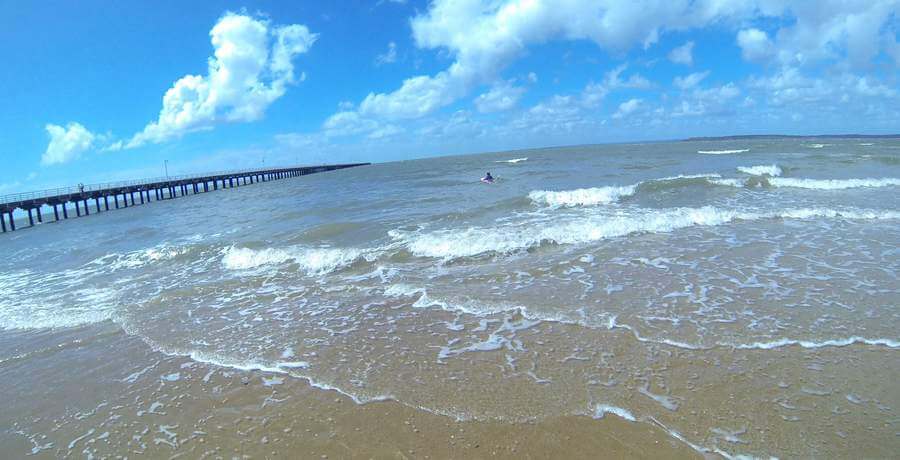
x: 789, y: 87
x: 690, y: 81
x: 66, y: 143
x: 854, y: 31
x: 627, y: 108
x: 684, y: 54
x: 389, y: 56
x: 558, y: 114
x: 594, y: 93
x: 348, y: 123
x: 484, y: 37
x: 755, y: 45
x: 251, y: 67
x: 501, y: 97
x: 713, y: 101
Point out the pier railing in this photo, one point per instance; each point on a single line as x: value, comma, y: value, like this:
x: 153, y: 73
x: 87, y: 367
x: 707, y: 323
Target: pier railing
x: 51, y: 192
x: 161, y: 188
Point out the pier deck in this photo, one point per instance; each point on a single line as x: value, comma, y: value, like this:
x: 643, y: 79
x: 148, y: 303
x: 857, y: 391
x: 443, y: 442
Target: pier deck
x: 146, y: 190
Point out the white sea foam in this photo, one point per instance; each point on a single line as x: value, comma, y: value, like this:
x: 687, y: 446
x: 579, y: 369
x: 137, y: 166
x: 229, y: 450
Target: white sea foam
x: 761, y: 170
x: 315, y: 261
x: 722, y: 152
x: 513, y: 161
x: 462, y: 305
x: 50, y: 311
x: 274, y: 368
x: 602, y: 409
x: 832, y: 184
x: 137, y: 259
x: 667, y: 402
x: 686, y: 176
x: 582, y: 196
x: 815, y: 146
x: 728, y: 182
x: 601, y: 195
x: 455, y: 243
x: 815, y: 344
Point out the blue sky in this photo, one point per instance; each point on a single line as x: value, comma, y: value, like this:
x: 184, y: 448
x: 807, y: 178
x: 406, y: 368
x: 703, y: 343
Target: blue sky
x: 98, y: 91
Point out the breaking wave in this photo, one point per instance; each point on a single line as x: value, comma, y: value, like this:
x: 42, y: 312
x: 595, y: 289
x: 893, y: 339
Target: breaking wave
x: 582, y: 196
x: 722, y: 152
x: 513, y: 161
x: 761, y: 170
x: 315, y: 261
x: 832, y: 184
x: 608, y: 194
x: 473, y: 241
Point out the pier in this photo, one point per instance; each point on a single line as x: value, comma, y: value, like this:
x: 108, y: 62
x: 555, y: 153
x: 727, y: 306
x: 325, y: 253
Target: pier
x: 125, y: 194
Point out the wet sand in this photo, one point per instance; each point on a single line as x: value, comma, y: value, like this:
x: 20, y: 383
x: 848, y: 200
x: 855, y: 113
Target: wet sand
x: 117, y: 398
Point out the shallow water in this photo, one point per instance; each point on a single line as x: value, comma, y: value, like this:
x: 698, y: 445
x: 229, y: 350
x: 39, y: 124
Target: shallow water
x: 742, y: 300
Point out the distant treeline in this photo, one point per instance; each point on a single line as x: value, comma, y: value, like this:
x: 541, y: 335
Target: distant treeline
x: 793, y: 136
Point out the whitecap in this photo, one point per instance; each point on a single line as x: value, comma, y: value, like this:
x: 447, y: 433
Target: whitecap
x: 722, y: 152
x: 472, y: 241
x: 315, y: 261
x: 761, y: 170
x: 602, y: 195
x: 833, y: 184
x: 582, y: 196
x: 513, y: 161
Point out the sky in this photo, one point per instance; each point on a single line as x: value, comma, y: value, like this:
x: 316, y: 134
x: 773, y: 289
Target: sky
x: 98, y: 91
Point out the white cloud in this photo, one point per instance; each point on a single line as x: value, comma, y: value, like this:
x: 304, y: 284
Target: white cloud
x: 594, y: 93
x: 684, y: 54
x: 558, y: 114
x: 755, y: 45
x: 715, y: 101
x: 846, y: 31
x: 532, y: 77
x: 348, y: 123
x: 459, y: 125
x: 484, y: 37
x: 690, y: 81
x: 501, y: 97
x: 790, y: 88
x: 627, y: 108
x: 389, y: 56
x: 251, y: 68
x: 66, y: 143
x: 385, y: 131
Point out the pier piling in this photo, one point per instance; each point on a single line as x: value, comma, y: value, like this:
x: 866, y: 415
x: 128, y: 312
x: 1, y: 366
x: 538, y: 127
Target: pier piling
x: 34, y: 201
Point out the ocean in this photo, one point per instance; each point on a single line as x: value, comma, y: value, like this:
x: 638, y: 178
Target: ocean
x: 723, y: 298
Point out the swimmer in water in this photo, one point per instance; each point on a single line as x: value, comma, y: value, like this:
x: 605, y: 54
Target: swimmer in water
x: 488, y: 178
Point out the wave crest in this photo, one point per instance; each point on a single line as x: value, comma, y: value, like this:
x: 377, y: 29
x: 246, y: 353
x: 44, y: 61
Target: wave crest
x: 315, y: 261
x: 722, y: 152
x: 473, y: 241
x: 832, y: 184
x: 582, y: 196
x: 761, y: 170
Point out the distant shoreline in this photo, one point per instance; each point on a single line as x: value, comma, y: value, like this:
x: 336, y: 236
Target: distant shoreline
x: 792, y: 136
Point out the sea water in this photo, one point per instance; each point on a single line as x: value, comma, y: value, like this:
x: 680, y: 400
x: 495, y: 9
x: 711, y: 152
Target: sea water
x: 742, y: 296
